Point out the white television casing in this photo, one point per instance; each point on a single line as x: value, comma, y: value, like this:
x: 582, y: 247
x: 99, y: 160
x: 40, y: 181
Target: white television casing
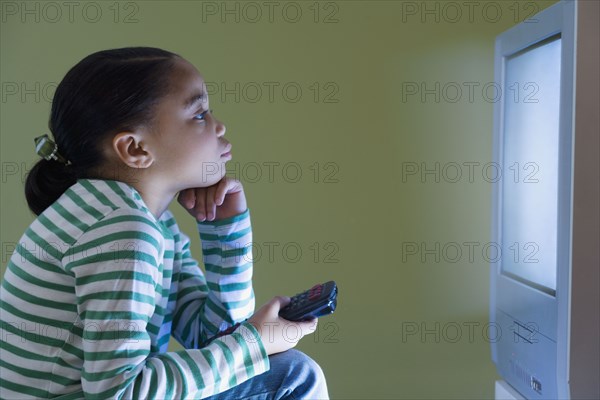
x: 544, y: 299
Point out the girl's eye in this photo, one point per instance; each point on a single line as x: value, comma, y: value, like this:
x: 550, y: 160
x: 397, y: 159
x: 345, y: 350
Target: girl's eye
x: 201, y: 116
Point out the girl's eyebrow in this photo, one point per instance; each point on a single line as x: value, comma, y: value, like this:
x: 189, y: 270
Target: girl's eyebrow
x: 193, y: 99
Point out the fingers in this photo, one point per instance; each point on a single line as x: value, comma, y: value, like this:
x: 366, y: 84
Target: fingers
x: 281, y: 301
x: 187, y: 198
x: 309, y: 326
x: 211, y: 207
x: 221, y: 191
x: 279, y: 334
x: 200, y: 208
x: 274, y: 305
x: 194, y: 201
x: 204, y: 201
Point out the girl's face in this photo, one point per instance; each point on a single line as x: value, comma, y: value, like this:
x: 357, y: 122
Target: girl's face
x: 187, y: 139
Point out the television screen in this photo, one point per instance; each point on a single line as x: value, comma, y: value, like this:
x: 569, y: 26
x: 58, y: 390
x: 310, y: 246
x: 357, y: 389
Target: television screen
x: 530, y: 165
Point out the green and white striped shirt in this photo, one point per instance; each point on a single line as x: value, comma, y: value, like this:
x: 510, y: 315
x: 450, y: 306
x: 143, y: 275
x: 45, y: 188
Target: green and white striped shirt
x: 97, y: 285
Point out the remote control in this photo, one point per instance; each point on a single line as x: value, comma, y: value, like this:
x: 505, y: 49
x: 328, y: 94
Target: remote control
x: 313, y: 303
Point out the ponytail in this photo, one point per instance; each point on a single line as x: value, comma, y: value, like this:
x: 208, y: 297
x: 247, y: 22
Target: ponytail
x: 46, y: 182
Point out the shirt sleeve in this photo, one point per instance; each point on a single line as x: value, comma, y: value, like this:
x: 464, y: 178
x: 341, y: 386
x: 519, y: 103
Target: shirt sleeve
x: 118, y: 273
x: 209, y: 304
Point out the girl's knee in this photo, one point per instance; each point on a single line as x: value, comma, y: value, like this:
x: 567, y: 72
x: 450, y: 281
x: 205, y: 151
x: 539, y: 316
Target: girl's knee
x: 308, y: 376
x: 308, y: 366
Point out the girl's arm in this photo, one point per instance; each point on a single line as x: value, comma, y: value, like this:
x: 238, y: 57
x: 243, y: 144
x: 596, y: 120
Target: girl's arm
x: 208, y: 305
x: 117, y: 266
x: 223, y: 220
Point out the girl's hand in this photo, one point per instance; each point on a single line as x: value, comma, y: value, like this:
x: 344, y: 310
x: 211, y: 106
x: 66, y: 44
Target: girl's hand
x: 222, y: 200
x: 274, y: 331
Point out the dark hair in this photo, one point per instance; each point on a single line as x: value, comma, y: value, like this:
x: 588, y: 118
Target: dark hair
x: 105, y: 93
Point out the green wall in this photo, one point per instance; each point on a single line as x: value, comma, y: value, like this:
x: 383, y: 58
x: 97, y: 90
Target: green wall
x: 413, y: 303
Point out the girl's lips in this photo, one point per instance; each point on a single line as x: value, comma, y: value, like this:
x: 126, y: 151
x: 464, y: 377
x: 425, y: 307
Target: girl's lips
x: 227, y: 150
x: 228, y: 154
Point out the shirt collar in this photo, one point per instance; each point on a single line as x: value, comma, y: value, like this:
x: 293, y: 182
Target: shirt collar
x: 122, y: 191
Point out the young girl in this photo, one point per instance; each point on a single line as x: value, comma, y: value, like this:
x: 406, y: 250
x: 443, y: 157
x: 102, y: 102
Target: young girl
x: 103, y: 276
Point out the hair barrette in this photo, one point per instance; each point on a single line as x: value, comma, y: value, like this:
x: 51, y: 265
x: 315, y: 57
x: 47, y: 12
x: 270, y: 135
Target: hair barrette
x: 47, y: 149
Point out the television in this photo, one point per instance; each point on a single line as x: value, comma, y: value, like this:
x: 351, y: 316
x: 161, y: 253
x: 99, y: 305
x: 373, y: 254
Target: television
x: 541, y: 210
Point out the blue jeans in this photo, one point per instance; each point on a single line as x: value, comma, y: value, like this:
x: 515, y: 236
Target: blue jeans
x: 293, y: 375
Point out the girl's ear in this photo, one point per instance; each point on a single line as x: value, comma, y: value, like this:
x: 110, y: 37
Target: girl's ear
x: 132, y: 150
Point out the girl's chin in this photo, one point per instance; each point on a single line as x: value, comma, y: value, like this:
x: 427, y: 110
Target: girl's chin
x: 213, y: 175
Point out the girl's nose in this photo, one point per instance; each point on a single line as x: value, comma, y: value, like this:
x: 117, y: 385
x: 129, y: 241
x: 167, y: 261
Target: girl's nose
x: 220, y: 128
